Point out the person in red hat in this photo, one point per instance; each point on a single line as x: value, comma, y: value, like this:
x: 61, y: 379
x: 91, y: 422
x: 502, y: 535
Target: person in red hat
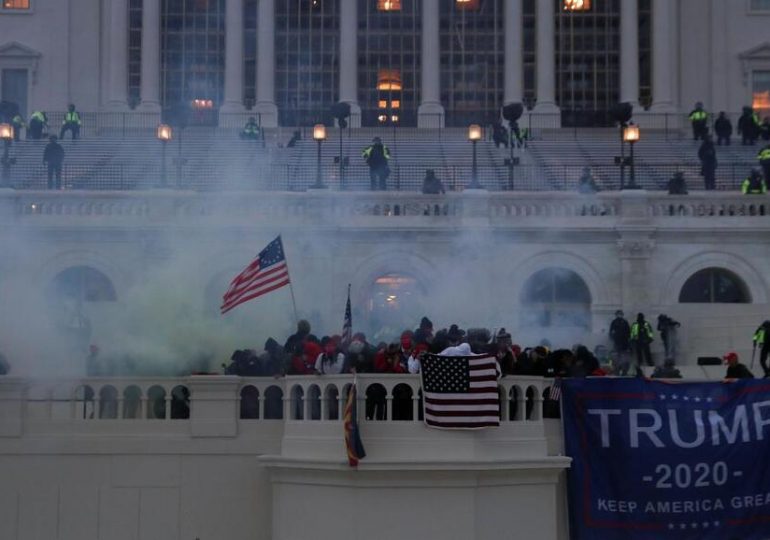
x: 736, y: 370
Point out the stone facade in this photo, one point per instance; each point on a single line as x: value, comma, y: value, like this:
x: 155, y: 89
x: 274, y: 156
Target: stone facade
x: 75, y: 51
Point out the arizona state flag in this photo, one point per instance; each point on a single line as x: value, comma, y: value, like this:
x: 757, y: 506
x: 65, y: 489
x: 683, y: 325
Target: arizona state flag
x: 353, y: 444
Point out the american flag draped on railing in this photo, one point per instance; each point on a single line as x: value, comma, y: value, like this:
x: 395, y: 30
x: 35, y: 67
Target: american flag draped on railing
x: 460, y: 391
x: 266, y: 273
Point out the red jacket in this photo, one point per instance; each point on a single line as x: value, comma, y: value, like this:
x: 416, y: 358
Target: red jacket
x: 381, y: 364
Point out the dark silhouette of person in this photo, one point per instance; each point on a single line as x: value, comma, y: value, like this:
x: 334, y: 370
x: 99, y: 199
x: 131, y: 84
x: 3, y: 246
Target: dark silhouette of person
x: 724, y: 129
x: 677, y: 184
x: 431, y: 184
x: 707, y: 155
x: 500, y: 135
x: 376, y: 156
x: 37, y: 123
x: 748, y: 126
x: 53, y: 156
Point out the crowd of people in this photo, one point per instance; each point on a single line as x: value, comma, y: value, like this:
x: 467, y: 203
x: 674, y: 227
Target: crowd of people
x: 304, y: 353
x: 749, y: 128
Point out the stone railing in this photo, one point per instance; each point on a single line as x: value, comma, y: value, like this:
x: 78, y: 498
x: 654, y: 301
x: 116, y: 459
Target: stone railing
x: 383, y: 210
x: 293, y: 398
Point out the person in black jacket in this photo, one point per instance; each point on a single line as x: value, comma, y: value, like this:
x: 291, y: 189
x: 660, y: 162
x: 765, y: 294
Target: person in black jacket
x: 707, y: 155
x: 53, y: 156
x: 736, y: 370
x: 377, y: 156
x: 724, y: 129
x: 620, y: 335
x: 431, y: 184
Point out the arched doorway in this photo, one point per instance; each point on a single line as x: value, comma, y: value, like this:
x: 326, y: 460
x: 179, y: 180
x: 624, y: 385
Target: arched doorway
x: 556, y: 299
x: 395, y: 302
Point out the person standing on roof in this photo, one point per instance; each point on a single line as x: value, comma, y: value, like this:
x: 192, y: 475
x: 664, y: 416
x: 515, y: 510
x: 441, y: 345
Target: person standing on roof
x: 376, y: 156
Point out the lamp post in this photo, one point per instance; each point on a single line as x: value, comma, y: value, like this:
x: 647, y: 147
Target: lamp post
x: 319, y: 135
x: 6, y: 134
x: 474, y: 135
x: 631, y: 136
x: 165, y: 133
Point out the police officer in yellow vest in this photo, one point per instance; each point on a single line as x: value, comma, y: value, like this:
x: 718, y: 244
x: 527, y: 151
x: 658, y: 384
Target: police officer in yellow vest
x: 250, y: 130
x: 37, y: 123
x: 641, y: 337
x: 754, y: 184
x: 761, y: 340
x: 764, y: 162
x: 18, y: 124
x: 71, y: 123
x: 699, y: 119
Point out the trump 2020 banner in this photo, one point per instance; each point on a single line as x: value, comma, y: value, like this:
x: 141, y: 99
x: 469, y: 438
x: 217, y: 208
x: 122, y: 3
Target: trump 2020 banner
x: 658, y: 460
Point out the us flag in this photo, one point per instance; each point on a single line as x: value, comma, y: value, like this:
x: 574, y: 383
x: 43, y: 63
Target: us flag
x: 460, y: 391
x: 347, y: 323
x: 266, y: 273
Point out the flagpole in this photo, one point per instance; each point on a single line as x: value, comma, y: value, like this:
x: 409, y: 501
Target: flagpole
x: 291, y: 285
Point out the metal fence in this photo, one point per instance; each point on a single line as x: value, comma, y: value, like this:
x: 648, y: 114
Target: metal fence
x: 293, y: 177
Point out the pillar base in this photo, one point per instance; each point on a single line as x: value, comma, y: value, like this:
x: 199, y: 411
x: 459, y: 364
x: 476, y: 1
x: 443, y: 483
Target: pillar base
x: 148, y: 107
x: 267, y: 113
x: 430, y: 116
x: 669, y: 108
x: 117, y: 107
x: 232, y: 107
x: 546, y: 116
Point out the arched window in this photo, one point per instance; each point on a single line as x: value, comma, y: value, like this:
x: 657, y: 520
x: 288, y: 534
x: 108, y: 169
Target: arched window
x: 83, y: 284
x: 714, y: 286
x: 395, y: 301
x: 556, y: 297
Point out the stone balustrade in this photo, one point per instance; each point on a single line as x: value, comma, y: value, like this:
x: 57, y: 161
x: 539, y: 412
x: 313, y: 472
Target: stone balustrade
x: 385, y: 210
x: 292, y: 398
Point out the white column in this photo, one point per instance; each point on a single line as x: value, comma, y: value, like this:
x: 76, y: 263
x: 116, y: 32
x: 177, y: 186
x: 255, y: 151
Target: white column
x: 629, y: 52
x: 349, y: 59
x: 233, y: 101
x: 118, y: 54
x: 265, y: 106
x: 430, y: 113
x: 664, y: 52
x: 150, y: 88
x: 545, y: 56
x: 514, y: 47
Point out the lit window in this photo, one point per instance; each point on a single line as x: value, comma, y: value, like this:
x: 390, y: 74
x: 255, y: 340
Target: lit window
x: 382, y: 118
x: 383, y: 104
x: 15, y: 4
x: 577, y: 5
x: 202, y: 104
x: 394, y: 118
x: 760, y: 94
x: 395, y: 104
x: 389, y: 5
x: 389, y: 79
x: 468, y: 5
